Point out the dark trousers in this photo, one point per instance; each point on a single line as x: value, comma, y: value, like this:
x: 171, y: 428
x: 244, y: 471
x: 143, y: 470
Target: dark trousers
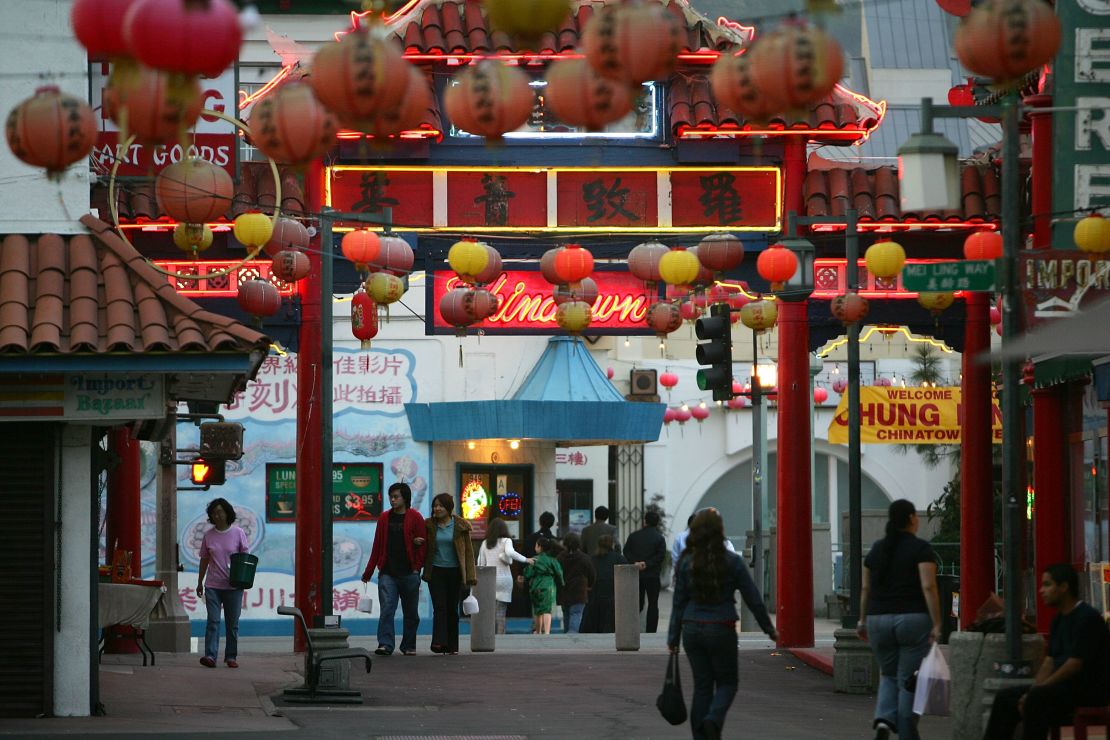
x: 1045, y: 707
x: 444, y: 587
x: 649, y: 589
x: 711, y: 649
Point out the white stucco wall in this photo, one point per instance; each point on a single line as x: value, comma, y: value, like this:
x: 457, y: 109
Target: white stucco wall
x: 39, y: 49
x: 73, y: 649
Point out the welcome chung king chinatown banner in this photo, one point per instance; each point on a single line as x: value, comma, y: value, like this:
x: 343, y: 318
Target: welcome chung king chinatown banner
x: 920, y: 416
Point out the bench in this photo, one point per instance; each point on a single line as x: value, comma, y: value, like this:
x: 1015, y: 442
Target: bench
x: 314, y: 659
x: 1086, y: 717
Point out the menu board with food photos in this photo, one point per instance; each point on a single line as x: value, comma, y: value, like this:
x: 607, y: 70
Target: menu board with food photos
x: 356, y: 492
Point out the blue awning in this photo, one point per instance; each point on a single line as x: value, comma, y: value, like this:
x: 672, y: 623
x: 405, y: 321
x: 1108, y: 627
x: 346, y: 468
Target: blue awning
x: 565, y: 398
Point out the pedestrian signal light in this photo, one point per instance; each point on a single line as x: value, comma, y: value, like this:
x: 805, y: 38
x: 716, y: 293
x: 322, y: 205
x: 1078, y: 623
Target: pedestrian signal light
x: 208, y: 472
x: 716, y: 353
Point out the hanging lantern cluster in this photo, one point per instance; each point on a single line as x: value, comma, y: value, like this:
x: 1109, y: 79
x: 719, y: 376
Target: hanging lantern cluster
x: 789, y: 69
x: 776, y: 265
x: 360, y: 75
x: 193, y: 192
x: 885, y: 259
x: 569, y: 268
x: 476, y: 264
x: 463, y: 306
x: 849, y: 307
x: 633, y: 42
x: 1092, y: 234
x: 1008, y: 39
x: 579, y: 96
x: 489, y: 99
x: 291, y: 126
x: 984, y: 245
x: 384, y: 261
x: 155, y: 105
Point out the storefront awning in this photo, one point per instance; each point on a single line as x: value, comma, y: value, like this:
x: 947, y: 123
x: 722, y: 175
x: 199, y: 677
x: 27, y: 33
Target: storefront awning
x: 566, y: 398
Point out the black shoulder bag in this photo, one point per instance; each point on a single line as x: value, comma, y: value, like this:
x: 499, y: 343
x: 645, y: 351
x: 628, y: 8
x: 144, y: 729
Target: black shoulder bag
x: 670, y: 702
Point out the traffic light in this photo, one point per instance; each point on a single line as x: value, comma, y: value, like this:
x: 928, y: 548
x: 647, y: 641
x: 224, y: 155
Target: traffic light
x: 208, y: 472
x: 716, y: 353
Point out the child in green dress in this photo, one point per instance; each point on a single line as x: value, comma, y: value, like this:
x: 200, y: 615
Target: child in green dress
x: 541, y: 577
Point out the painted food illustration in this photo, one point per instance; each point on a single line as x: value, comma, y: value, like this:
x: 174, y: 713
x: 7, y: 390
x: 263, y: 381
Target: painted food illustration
x: 404, y: 467
x: 346, y: 556
x: 193, y: 533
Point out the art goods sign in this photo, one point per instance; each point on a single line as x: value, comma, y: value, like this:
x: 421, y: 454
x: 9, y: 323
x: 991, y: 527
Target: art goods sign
x: 919, y: 416
x: 1056, y: 283
x: 581, y: 199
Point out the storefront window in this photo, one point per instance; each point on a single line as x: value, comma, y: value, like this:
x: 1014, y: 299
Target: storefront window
x: 488, y: 491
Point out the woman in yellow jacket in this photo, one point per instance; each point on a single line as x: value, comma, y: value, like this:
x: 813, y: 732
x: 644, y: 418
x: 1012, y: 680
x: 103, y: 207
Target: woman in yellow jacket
x: 449, y: 564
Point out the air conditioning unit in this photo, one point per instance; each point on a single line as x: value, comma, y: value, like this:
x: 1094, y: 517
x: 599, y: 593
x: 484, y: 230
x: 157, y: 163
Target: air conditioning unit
x: 643, y: 382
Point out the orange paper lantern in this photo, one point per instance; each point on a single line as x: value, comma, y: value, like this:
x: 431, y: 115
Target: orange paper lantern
x: 51, y: 129
x: 291, y: 126
x: 194, y: 191
x: 489, y: 100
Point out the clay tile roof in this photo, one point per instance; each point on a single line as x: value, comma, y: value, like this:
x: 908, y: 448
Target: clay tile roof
x: 461, y: 27
x: 693, y: 106
x: 137, y: 204
x: 833, y: 187
x: 95, y: 294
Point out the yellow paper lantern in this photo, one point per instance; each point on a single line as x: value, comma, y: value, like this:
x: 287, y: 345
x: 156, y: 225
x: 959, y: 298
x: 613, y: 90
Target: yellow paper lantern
x: 759, y: 315
x: 936, y: 302
x: 253, y: 230
x: 885, y: 259
x: 192, y: 237
x: 385, y: 288
x: 1092, y: 234
x: 679, y: 267
x: 468, y: 258
x: 573, y: 316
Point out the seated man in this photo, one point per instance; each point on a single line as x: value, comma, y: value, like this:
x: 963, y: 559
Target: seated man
x: 1075, y: 672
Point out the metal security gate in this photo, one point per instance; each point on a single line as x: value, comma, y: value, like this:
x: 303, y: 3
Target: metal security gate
x: 629, y: 477
x: 27, y: 471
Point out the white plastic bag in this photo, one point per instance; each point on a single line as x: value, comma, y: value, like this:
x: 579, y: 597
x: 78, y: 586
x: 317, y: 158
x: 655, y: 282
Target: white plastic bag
x: 365, y: 602
x: 933, y: 682
x: 470, y: 605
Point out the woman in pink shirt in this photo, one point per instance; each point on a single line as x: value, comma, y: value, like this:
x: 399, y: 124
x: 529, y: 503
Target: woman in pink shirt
x: 216, y: 549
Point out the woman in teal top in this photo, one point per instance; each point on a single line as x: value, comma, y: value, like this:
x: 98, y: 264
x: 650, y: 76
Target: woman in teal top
x: 541, y: 576
x: 450, y: 565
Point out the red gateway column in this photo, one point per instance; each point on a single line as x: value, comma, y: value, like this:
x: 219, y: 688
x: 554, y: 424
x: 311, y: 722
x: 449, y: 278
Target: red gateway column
x: 976, y: 467
x: 122, y: 526
x: 307, y: 575
x: 1075, y: 503
x: 1041, y: 171
x: 794, y: 579
x: 1050, y: 481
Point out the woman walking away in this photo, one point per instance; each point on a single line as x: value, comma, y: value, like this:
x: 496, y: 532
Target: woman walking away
x: 704, y: 614
x: 497, y: 551
x: 599, y: 615
x: 899, y: 614
x: 580, y: 576
x: 542, y: 576
x: 219, y: 544
x: 449, y: 565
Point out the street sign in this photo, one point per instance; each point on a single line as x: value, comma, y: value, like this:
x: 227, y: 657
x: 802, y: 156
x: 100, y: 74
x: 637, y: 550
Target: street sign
x: 974, y: 275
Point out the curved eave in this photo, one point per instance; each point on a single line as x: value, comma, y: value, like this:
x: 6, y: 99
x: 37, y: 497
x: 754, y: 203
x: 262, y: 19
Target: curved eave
x: 568, y: 423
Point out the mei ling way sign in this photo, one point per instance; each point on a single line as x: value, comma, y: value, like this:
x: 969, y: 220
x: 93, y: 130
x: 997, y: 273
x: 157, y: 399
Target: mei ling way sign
x: 923, y: 416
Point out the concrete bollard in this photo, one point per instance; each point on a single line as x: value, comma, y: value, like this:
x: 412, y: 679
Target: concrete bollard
x: 626, y: 597
x: 854, y: 668
x: 334, y: 674
x: 483, y: 624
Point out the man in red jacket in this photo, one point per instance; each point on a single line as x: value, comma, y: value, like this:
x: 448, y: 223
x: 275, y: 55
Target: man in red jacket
x: 398, y: 555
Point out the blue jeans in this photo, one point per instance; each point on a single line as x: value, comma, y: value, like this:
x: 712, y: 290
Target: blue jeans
x: 406, y: 589
x: 572, y: 617
x: 230, y: 600
x: 711, y: 649
x: 900, y: 642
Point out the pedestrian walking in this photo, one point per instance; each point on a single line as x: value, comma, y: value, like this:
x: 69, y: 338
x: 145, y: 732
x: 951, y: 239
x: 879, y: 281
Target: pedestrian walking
x: 213, y: 585
x: 599, y: 615
x: 543, y: 575
x: 449, y: 566
x: 704, y: 616
x: 497, y: 551
x: 646, y: 548
x: 579, y: 574
x: 398, y: 555
x: 591, y: 533
x: 899, y: 615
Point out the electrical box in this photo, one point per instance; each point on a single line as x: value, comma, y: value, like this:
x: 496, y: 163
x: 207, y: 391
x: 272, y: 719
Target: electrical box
x: 221, y: 440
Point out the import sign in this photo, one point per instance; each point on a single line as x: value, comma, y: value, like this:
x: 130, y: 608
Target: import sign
x: 975, y: 275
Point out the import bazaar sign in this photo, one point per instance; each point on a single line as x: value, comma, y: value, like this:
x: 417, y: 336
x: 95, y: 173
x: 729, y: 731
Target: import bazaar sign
x: 526, y: 304
x: 83, y: 397
x: 1056, y: 283
x: 583, y: 199
x: 919, y: 416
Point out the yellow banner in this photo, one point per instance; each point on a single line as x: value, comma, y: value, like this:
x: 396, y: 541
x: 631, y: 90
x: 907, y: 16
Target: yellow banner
x: 917, y: 416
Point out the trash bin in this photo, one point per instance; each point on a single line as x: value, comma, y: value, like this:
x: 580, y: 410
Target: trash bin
x: 243, y: 566
x: 947, y: 585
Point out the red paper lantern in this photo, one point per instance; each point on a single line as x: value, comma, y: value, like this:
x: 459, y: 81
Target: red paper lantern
x: 288, y: 233
x: 361, y: 247
x: 51, y: 130
x: 156, y: 106
x: 738, y: 402
x: 490, y: 100
x: 668, y: 416
x: 849, y: 308
x: 492, y: 270
x: 479, y: 304
x: 776, y: 265
x: 839, y: 386
x: 689, y: 310
x: 795, y: 66
x: 983, y: 245
x: 453, y: 310
x: 360, y: 75
x: 633, y: 43
x: 663, y: 318
x: 820, y: 395
x: 364, y: 318
x: 291, y: 126
x: 643, y: 261
x: 194, y: 191
x: 1007, y: 39
x: 995, y: 315
x: 700, y: 413
x: 682, y: 415
x: 396, y: 256
x: 883, y: 382
x: 705, y: 275
x: 609, y: 373
x: 290, y: 265
x: 259, y: 298
x: 585, y: 290
x: 734, y: 86
x: 579, y: 96
x: 720, y: 252
x: 573, y: 264
x: 547, y: 265
x: 98, y: 25
x: 193, y: 37
x: 668, y: 380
